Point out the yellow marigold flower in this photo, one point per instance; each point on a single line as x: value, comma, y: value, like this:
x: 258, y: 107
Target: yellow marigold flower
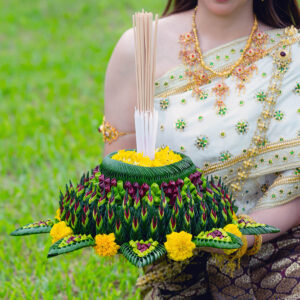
x: 232, y: 228
x: 59, y: 231
x: 57, y: 215
x: 162, y: 157
x: 106, y: 245
x: 179, y: 245
x: 234, y: 217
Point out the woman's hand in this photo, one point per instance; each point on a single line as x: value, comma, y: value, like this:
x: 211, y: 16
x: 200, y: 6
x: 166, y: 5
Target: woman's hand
x: 212, y: 250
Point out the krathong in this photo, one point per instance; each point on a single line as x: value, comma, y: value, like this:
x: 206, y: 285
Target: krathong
x: 145, y: 213
x: 146, y: 207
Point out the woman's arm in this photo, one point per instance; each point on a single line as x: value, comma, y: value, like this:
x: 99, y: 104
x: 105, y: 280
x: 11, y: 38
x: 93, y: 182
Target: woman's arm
x: 120, y: 92
x: 283, y: 217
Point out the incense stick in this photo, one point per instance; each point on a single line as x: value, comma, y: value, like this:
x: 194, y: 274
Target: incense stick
x: 145, y: 58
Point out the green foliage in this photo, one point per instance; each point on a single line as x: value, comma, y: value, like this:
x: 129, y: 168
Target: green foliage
x: 53, y: 58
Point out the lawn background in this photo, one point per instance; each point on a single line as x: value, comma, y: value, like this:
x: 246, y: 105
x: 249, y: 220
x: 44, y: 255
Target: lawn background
x: 53, y: 57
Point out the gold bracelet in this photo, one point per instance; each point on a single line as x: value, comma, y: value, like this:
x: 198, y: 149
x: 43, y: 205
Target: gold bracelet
x: 110, y: 133
x: 256, y: 246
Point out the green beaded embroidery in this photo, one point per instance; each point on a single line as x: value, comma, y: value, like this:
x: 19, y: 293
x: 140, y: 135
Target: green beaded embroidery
x: 164, y: 103
x: 278, y: 115
x: 297, y: 89
x: 183, y: 101
x: 261, y: 96
x: 201, y: 142
x: 222, y: 111
x: 222, y: 134
x: 180, y: 124
x: 242, y: 127
x: 225, y: 156
x: 202, y: 95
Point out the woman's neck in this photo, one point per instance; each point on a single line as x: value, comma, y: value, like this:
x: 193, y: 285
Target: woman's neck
x: 215, y: 30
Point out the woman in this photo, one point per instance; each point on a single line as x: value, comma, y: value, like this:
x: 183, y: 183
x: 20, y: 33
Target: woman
x: 235, y: 110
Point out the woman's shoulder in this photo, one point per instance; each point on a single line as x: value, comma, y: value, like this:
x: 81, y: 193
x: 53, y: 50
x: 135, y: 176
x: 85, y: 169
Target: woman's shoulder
x: 169, y: 29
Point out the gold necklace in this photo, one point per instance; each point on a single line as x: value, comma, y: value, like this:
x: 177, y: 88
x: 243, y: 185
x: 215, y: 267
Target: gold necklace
x: 237, y: 63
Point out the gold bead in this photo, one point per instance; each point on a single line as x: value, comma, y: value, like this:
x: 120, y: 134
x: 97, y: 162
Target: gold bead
x: 247, y: 164
x: 266, y: 114
x: 253, y: 151
x: 235, y: 187
x: 257, y: 140
x: 271, y: 101
x: 242, y: 175
x: 262, y: 125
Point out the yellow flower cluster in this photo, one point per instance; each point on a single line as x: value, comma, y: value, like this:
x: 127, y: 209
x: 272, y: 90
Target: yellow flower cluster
x: 163, y: 157
x: 57, y: 215
x: 234, y: 217
x: 106, y: 245
x: 179, y: 245
x: 232, y: 228
x: 59, y: 231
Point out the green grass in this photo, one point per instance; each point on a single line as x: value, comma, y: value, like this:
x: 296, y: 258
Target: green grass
x: 53, y: 56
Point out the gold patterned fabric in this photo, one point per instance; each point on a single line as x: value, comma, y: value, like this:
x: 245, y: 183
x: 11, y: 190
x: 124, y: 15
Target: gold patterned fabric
x: 273, y: 273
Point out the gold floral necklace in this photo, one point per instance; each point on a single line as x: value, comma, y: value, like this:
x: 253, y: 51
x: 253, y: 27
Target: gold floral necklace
x: 238, y: 62
x: 200, y: 73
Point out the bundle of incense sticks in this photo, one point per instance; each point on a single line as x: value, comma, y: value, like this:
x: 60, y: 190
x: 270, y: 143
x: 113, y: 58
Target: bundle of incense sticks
x: 146, y: 118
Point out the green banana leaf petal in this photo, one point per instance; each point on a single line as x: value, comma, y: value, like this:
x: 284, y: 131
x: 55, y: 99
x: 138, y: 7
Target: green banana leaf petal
x: 138, y: 261
x: 234, y: 242
x: 259, y: 230
x: 34, y: 228
x: 70, y: 243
